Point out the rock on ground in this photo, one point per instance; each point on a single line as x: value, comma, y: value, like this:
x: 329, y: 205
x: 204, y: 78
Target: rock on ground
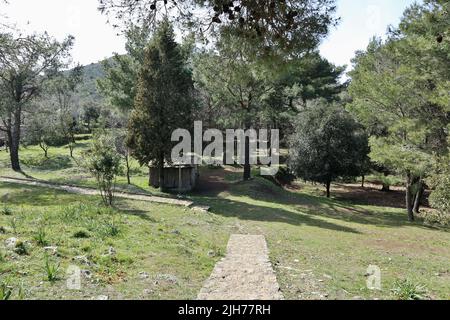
x: 11, y: 242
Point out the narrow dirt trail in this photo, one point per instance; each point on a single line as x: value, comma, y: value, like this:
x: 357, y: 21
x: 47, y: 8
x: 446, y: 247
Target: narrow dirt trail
x: 244, y: 274
x: 93, y: 192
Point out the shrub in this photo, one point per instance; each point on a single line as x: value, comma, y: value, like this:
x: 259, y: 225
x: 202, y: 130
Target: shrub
x: 103, y: 162
x: 81, y: 234
x: 407, y: 290
x: 440, y: 182
x: 284, y: 176
x: 388, y: 181
x: 7, y: 211
x: 21, y: 248
x: 434, y: 218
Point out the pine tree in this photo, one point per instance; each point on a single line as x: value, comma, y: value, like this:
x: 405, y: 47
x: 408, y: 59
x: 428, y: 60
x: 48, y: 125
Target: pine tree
x: 163, y: 103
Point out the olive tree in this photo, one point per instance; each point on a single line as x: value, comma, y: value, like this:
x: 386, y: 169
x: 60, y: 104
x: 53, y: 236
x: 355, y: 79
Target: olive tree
x: 41, y: 129
x: 26, y: 63
x: 63, y: 89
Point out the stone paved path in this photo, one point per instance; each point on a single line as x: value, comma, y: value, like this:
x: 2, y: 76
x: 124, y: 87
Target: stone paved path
x: 244, y: 274
x: 93, y: 192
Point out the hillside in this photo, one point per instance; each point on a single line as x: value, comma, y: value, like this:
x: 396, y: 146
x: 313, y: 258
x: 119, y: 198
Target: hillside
x: 87, y: 91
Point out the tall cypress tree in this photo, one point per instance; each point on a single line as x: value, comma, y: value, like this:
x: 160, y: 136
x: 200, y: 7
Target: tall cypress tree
x: 164, y: 101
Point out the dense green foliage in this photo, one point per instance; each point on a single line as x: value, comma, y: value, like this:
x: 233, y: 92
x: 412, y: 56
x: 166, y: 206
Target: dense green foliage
x: 270, y: 27
x: 262, y: 69
x: 119, y: 84
x: 327, y: 144
x: 164, y: 101
x: 440, y: 181
x: 26, y: 63
x: 237, y: 91
x: 62, y: 91
x: 43, y: 130
x: 400, y: 93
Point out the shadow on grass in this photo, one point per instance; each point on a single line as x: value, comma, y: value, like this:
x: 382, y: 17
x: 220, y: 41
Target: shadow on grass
x: 59, y: 162
x: 126, y: 209
x: 85, y: 181
x: 17, y: 194
x: 253, y: 212
x: 306, y: 209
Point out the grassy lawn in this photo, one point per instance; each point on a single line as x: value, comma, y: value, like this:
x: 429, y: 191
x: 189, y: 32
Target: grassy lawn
x: 61, y: 168
x: 320, y: 248
x: 138, y: 250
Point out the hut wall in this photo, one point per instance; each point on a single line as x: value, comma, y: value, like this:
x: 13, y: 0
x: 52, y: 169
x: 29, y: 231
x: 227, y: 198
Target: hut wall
x: 189, y: 177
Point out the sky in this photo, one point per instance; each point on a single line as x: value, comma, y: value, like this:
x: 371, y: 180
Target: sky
x: 360, y: 21
x: 96, y: 40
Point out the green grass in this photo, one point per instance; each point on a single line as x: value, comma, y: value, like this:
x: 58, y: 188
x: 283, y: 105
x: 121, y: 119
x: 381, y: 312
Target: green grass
x: 325, y: 246
x: 141, y: 234
x: 59, y: 167
x: 407, y: 290
x: 320, y: 248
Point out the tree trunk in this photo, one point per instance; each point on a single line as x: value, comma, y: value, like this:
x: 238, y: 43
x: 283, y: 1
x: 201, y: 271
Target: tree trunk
x: 72, y: 144
x: 150, y: 177
x: 14, y: 140
x: 14, y: 156
x: 363, y: 181
x: 418, y: 199
x: 328, y: 185
x: 409, y: 199
x: 14, y: 152
x: 44, y: 149
x: 386, y: 187
x: 127, y: 161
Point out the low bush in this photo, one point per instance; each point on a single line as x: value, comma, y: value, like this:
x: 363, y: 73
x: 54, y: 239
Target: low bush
x: 81, y: 234
x: 408, y: 290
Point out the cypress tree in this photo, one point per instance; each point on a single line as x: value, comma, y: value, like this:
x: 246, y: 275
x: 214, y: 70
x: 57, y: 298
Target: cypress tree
x: 163, y: 103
